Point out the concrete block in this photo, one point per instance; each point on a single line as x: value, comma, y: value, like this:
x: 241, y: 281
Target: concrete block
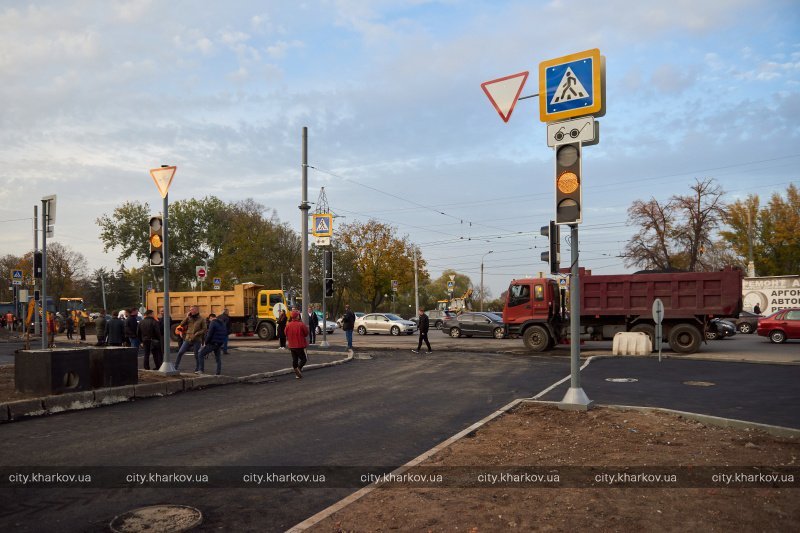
x: 147, y: 390
x: 632, y: 343
x: 174, y: 386
x: 113, y: 366
x: 52, y: 371
x: 25, y: 408
x: 69, y: 402
x: 113, y: 395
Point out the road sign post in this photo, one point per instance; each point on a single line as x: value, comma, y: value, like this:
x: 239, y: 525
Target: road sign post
x: 658, y: 316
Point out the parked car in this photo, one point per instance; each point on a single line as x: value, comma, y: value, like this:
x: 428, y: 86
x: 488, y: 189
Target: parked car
x: 475, y: 325
x: 747, y: 322
x: 719, y: 329
x: 780, y: 326
x: 435, y: 317
x: 339, y: 320
x: 330, y: 325
x: 384, y: 323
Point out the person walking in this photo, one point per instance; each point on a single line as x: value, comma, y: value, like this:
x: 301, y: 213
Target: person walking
x: 115, y: 330
x: 296, y: 334
x: 225, y: 319
x: 215, y: 337
x: 348, y: 323
x: 132, y: 328
x: 423, y: 325
x: 313, y: 323
x: 150, y: 339
x: 282, y: 320
x: 82, y: 325
x: 194, y: 327
x: 100, y: 328
x: 70, y: 325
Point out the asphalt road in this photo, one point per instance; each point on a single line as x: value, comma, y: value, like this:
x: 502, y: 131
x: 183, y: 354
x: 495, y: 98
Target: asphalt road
x: 383, y: 411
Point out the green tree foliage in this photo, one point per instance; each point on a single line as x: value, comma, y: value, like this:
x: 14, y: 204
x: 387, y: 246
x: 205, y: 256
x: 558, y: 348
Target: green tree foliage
x: 122, y: 289
x: 437, y: 289
x: 378, y: 258
x: 774, y: 230
x: 679, y: 233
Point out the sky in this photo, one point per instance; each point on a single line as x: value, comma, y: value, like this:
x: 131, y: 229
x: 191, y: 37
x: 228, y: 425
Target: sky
x: 95, y: 93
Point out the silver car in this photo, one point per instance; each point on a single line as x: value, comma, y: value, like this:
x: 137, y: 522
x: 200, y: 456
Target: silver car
x: 384, y: 323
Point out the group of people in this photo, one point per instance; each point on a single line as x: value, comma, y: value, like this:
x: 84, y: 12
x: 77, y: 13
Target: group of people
x: 9, y: 321
x: 203, y: 336
x: 126, y: 329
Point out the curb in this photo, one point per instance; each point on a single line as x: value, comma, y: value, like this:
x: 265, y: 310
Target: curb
x: 75, y: 401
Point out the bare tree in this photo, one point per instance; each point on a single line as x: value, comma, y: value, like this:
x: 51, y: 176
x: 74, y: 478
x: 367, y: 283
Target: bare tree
x: 702, y: 212
x: 650, y: 247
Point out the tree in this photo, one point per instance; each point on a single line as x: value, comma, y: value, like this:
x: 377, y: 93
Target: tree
x: 437, y: 289
x: 8, y: 263
x: 676, y: 235
x: 378, y: 258
x: 772, y: 231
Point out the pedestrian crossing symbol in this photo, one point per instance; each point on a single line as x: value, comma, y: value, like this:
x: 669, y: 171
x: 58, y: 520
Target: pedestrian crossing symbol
x: 571, y: 86
x: 323, y: 225
x: 17, y: 274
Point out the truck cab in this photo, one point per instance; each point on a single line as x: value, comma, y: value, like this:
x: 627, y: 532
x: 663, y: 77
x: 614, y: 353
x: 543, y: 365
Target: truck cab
x: 529, y: 300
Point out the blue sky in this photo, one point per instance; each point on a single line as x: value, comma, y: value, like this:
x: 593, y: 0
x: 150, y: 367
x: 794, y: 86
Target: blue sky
x: 96, y: 93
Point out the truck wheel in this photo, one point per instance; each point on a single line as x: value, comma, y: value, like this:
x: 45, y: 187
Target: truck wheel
x: 646, y: 328
x: 777, y: 336
x: 536, y: 338
x: 266, y: 331
x: 362, y: 330
x: 455, y: 333
x: 684, y: 338
x: 499, y: 333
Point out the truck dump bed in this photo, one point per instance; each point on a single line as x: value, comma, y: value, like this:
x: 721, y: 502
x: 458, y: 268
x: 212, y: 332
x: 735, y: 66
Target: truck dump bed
x: 684, y: 294
x: 240, y: 302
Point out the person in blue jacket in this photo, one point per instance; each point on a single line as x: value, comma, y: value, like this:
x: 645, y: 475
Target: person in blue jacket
x: 215, y: 338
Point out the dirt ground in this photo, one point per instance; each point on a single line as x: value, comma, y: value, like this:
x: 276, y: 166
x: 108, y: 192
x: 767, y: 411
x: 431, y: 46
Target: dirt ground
x: 9, y: 394
x: 581, y: 446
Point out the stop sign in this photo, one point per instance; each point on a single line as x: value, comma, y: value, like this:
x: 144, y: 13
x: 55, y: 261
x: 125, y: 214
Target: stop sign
x: 201, y: 273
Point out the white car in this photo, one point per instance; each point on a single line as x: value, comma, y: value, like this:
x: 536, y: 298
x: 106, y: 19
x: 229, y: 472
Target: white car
x: 384, y: 323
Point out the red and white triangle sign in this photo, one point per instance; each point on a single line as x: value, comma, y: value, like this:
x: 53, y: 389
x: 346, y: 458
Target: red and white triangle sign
x: 504, y: 92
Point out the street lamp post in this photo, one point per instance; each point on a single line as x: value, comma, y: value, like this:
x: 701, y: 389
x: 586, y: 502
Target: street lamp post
x: 484, y: 255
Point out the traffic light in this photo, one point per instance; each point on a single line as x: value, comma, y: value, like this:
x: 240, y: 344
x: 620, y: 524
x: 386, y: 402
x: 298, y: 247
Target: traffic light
x: 327, y: 260
x: 553, y: 255
x: 156, y: 241
x: 568, y: 184
x: 37, y: 265
x: 328, y: 288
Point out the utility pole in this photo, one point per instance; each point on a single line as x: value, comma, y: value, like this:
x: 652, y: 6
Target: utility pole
x: 416, y: 285
x: 103, y: 290
x: 751, y: 266
x: 35, y: 249
x: 304, y: 208
x: 45, y: 343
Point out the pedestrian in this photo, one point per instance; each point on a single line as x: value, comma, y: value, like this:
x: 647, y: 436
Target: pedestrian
x: 82, y: 325
x: 423, y: 326
x: 313, y: 322
x: 132, y: 328
x: 100, y: 328
x: 150, y: 339
x: 215, y: 337
x: 70, y: 325
x: 225, y: 318
x: 757, y: 309
x: 348, y: 323
x: 296, y: 334
x: 282, y: 320
x: 115, y: 330
x: 194, y: 327
x: 51, y: 330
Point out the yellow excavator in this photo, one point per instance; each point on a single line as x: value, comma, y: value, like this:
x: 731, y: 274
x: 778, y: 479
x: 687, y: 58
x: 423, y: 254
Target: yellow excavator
x: 456, y: 304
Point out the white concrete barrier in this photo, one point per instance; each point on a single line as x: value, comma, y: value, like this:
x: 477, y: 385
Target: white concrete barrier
x: 632, y: 343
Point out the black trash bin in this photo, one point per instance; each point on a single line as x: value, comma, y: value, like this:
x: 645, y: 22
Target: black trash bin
x: 52, y: 371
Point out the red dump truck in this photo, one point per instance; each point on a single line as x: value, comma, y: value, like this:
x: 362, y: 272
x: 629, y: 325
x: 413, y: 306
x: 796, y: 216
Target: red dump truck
x: 536, y: 308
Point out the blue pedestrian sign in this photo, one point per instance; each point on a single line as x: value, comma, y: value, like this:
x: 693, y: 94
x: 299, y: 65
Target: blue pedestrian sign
x: 571, y: 86
x: 16, y: 274
x: 323, y: 225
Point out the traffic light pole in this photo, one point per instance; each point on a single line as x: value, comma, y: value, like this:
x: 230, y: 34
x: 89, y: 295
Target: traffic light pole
x: 44, y: 276
x: 324, y: 309
x: 575, y: 398
x: 167, y: 368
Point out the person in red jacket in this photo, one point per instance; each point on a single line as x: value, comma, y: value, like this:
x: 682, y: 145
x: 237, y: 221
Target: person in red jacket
x: 297, y: 339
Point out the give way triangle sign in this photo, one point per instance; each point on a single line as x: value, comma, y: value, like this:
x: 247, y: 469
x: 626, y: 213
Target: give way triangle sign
x: 163, y: 178
x: 504, y: 92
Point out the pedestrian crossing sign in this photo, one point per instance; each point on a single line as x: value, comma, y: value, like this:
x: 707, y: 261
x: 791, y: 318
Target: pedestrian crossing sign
x: 323, y: 225
x: 16, y: 274
x: 571, y: 86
